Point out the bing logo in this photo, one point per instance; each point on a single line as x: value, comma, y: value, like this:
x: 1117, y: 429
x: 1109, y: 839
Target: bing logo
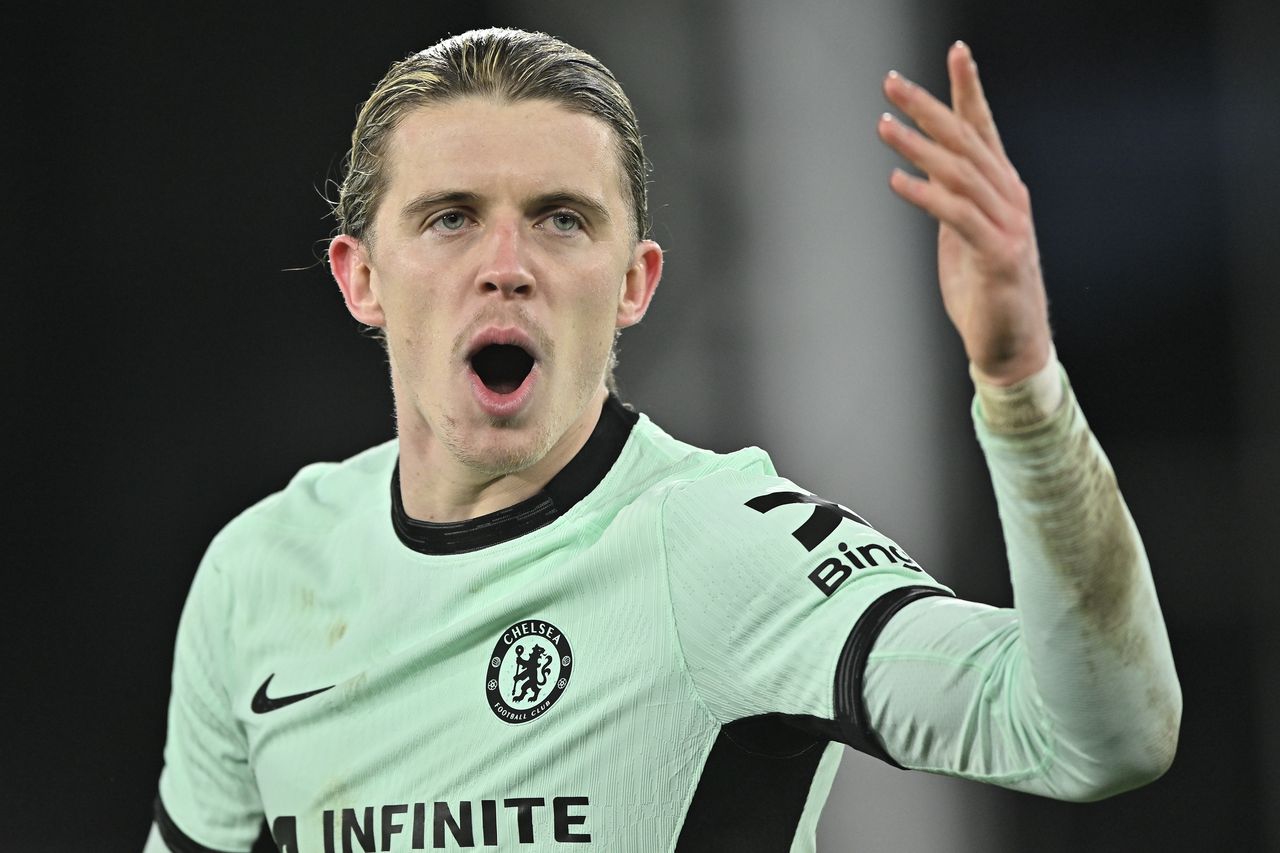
x: 822, y: 522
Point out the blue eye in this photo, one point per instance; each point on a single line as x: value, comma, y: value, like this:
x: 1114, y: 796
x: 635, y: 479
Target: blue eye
x: 565, y: 222
x: 451, y: 220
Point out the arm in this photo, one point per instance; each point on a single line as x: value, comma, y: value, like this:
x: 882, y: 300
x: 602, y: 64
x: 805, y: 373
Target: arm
x: 208, y: 799
x: 1073, y: 693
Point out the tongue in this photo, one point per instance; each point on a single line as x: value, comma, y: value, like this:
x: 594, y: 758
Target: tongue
x: 503, y: 386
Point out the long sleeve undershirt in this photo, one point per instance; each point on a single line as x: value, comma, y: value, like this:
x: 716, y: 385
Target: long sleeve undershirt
x: 1071, y: 693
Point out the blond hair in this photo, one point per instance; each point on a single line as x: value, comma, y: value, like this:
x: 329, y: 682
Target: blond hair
x: 511, y: 65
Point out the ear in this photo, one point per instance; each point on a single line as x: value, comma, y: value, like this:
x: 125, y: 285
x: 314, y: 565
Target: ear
x: 350, y: 265
x: 640, y: 283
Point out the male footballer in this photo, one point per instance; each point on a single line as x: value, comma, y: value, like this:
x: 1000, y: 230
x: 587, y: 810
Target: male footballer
x: 535, y: 620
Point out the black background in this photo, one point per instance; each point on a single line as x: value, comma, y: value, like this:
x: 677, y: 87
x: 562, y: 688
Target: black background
x: 176, y: 350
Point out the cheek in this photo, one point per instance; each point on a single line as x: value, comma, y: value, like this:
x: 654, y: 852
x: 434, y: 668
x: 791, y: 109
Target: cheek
x: 602, y: 299
x: 411, y: 328
x: 597, y: 315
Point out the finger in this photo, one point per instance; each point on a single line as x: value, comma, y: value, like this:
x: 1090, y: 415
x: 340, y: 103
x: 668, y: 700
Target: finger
x: 943, y: 125
x: 949, y: 208
x: 968, y: 98
x: 953, y: 171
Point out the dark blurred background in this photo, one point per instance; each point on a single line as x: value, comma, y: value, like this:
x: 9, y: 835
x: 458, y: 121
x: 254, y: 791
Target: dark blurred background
x: 177, y: 350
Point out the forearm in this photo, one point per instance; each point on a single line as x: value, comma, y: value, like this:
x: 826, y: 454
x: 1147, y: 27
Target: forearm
x: 1071, y: 694
x: 1091, y: 624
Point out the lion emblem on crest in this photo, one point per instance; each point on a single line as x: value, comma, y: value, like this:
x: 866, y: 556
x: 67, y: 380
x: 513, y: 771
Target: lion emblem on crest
x: 532, y: 670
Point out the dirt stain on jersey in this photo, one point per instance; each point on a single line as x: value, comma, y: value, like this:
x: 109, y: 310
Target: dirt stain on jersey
x: 352, y: 687
x: 1098, y: 554
x: 337, y: 632
x: 1093, y: 546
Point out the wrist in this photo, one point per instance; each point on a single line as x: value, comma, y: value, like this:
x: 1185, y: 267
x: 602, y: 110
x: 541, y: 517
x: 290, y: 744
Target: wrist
x: 1011, y: 363
x: 1021, y: 404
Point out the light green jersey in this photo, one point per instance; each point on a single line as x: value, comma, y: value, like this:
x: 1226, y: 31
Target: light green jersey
x: 660, y: 651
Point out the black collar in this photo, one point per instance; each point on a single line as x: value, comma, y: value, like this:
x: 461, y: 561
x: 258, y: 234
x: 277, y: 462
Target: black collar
x: 574, y: 482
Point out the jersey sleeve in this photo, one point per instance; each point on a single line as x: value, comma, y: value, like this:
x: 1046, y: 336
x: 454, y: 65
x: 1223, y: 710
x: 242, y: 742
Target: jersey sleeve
x: 1072, y: 693
x: 208, y: 799
x: 777, y: 596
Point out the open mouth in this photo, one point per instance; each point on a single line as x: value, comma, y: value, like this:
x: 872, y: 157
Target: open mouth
x: 502, y: 367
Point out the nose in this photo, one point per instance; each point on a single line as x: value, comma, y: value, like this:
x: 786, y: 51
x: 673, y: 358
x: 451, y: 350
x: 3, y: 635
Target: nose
x: 505, y: 265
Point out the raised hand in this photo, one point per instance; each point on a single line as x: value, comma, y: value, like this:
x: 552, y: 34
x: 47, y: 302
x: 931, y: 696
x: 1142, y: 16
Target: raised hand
x: 988, y: 263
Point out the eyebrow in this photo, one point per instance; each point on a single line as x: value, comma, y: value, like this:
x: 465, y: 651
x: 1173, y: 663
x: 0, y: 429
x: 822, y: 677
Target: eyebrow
x: 419, y: 205
x: 565, y: 198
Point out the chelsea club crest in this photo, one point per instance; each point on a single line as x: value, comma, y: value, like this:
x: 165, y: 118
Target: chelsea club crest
x: 528, y: 671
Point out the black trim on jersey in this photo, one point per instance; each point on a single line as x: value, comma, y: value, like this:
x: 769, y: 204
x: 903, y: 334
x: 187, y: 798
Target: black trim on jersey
x: 174, y: 838
x: 753, y: 788
x: 574, y: 482
x: 850, y: 706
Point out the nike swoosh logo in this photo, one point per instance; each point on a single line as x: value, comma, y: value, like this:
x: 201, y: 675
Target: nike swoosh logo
x: 262, y: 703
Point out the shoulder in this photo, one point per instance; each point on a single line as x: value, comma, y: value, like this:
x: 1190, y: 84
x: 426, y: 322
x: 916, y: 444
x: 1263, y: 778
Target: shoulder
x: 655, y: 465
x: 745, y: 549
x: 671, y: 470
x: 705, y: 496
x: 318, y: 499
x: 680, y: 462
x: 733, y: 503
x: 734, y: 509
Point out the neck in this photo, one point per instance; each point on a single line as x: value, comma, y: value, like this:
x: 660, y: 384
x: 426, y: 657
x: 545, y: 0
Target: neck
x: 436, y: 486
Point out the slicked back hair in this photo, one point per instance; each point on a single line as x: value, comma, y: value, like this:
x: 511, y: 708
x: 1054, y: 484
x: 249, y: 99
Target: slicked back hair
x: 509, y: 65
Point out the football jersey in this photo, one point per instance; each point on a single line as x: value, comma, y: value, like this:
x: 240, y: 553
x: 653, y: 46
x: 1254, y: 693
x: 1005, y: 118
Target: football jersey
x: 661, y: 650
